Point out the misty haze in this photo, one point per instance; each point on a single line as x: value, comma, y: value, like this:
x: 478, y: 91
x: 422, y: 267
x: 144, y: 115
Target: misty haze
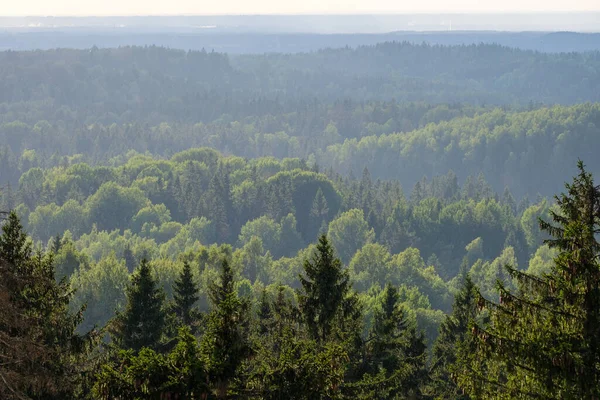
x: 301, y: 200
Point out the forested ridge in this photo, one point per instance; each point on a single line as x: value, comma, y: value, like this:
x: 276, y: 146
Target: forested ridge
x: 354, y: 223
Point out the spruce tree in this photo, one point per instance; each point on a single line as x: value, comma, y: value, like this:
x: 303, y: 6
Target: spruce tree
x: 15, y: 247
x: 449, y: 349
x: 38, y: 341
x: 180, y: 374
x: 225, y: 344
x: 142, y: 322
x: 325, y: 288
x: 185, y: 295
x: 542, y: 341
x: 220, y: 204
x: 396, y: 351
x: 287, y: 365
x: 265, y: 314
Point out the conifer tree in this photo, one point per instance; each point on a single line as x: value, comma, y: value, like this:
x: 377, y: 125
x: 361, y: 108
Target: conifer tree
x: 452, y: 343
x: 325, y: 287
x: 185, y: 295
x: 39, y: 346
x: 220, y: 204
x: 142, y: 322
x: 543, y: 340
x: 396, y: 351
x: 225, y: 344
x: 289, y: 365
x: 265, y: 314
x: 15, y: 246
x: 151, y: 375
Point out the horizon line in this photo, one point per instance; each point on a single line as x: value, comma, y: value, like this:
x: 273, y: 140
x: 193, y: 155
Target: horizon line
x: 314, y: 14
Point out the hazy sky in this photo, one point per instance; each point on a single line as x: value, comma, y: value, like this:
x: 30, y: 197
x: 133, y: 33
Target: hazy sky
x: 176, y: 7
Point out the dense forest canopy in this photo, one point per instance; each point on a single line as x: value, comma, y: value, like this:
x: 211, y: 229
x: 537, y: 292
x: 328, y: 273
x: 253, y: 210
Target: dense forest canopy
x: 350, y: 223
x: 404, y: 111
x: 179, y: 85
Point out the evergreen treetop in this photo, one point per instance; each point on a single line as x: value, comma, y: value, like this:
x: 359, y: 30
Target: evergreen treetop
x: 185, y: 295
x: 142, y: 322
x: 325, y: 286
x: 542, y: 340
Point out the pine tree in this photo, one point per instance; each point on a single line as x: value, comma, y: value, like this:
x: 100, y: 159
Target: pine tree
x: 448, y: 349
x: 396, y: 351
x: 265, y: 314
x: 220, y: 204
x: 185, y: 295
x: 388, y: 329
x: 38, y: 341
x: 151, y: 375
x: 225, y: 344
x: 325, y: 287
x: 15, y: 246
x: 288, y: 365
x: 142, y: 322
x: 543, y: 340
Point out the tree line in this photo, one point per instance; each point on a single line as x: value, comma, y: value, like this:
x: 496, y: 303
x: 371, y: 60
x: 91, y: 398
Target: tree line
x: 536, y: 337
x: 266, y: 214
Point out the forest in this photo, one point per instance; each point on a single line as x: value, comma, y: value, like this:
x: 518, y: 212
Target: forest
x: 384, y: 222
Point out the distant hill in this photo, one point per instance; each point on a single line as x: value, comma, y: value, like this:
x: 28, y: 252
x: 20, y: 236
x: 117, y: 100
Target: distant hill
x: 248, y: 43
x: 292, y: 34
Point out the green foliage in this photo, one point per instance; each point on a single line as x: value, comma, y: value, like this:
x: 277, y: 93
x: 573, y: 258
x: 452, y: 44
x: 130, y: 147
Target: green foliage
x: 41, y: 351
x: 349, y: 233
x: 542, y: 338
x: 395, y: 362
x: 325, y: 288
x: 370, y: 265
x: 121, y: 204
x: 67, y: 259
x: 141, y: 323
x: 151, y: 375
x: 450, y: 350
x: 185, y: 296
x: 106, y: 146
x: 542, y: 261
x: 101, y: 288
x: 225, y: 344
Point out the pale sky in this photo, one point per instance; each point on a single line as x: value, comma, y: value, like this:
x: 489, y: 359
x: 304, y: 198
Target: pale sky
x: 205, y: 7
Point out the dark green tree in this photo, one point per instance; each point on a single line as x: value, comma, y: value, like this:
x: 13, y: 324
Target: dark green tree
x: 448, y: 353
x: 40, y: 349
x: 325, y: 287
x: 543, y: 340
x: 287, y: 364
x: 226, y: 344
x: 396, y: 352
x: 185, y: 295
x: 15, y: 246
x: 151, y: 375
x: 142, y: 322
x: 265, y: 313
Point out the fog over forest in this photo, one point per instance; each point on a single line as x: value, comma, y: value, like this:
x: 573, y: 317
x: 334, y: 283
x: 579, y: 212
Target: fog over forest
x: 300, y: 207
